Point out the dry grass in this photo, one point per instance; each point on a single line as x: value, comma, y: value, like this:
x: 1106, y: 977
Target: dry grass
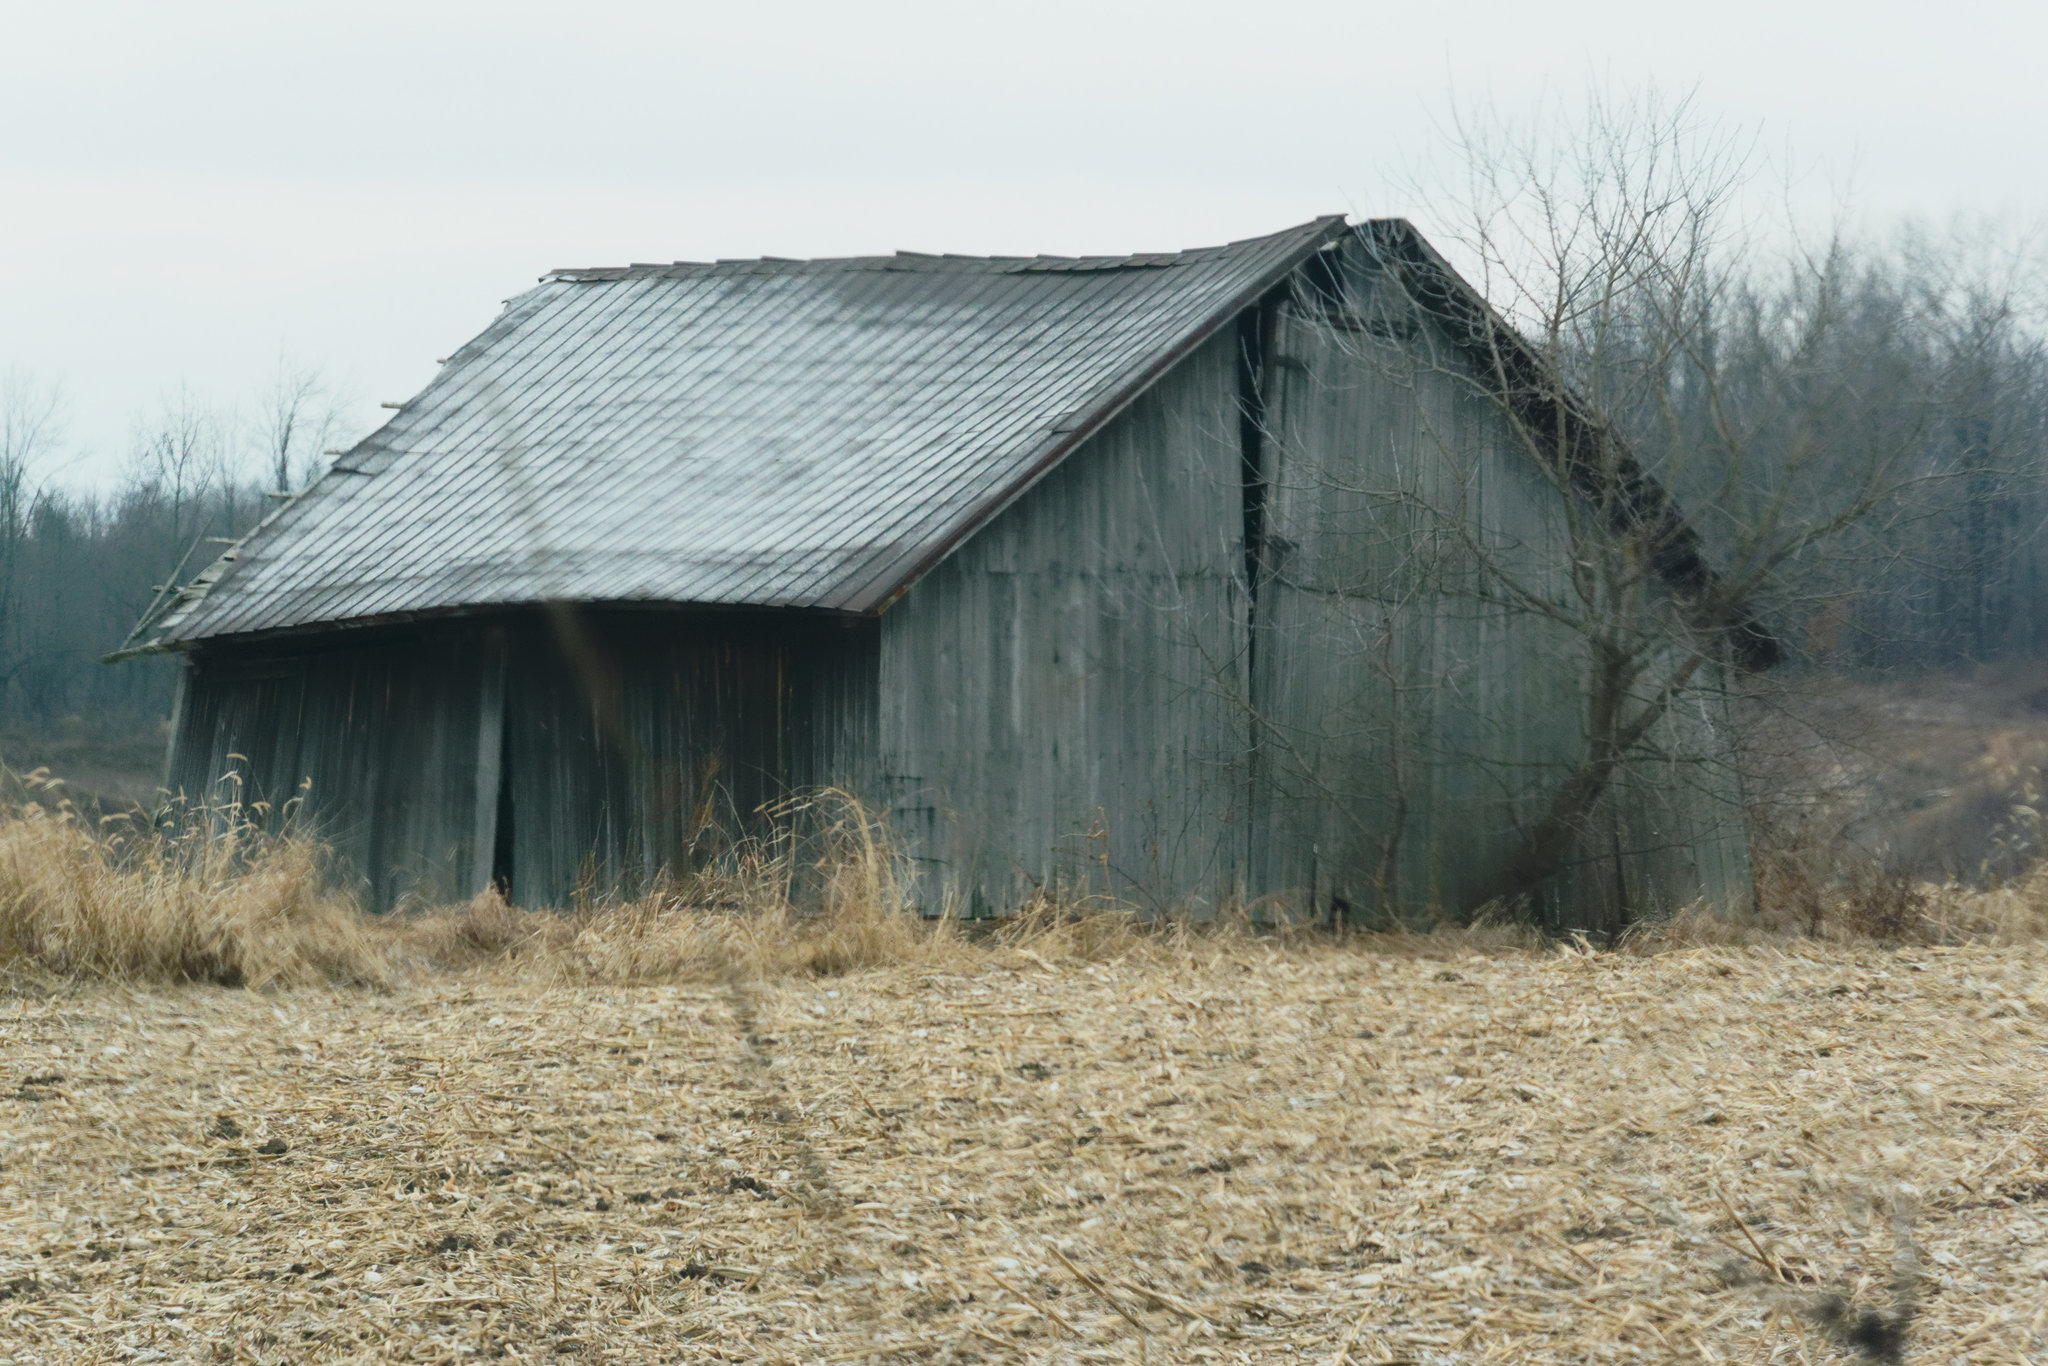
x: 1864, y: 909
x: 705, y: 1126
x: 209, y: 897
x: 1222, y: 1149
x: 203, y: 902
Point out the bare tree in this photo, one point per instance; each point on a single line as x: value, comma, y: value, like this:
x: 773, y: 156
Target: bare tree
x: 181, y: 455
x: 296, y: 416
x: 1639, y: 347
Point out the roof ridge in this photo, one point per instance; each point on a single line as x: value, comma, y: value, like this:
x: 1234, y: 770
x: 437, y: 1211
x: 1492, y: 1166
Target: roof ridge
x: 964, y: 263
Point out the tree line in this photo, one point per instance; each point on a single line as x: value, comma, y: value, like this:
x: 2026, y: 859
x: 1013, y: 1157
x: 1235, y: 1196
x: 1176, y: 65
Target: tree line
x: 79, y: 566
x: 1899, y: 388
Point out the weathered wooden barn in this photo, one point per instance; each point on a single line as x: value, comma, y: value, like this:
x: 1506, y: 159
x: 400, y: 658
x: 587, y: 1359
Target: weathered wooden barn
x: 1100, y: 572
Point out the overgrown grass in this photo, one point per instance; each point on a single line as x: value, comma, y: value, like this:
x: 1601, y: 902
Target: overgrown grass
x: 207, y: 896
x: 1872, y: 909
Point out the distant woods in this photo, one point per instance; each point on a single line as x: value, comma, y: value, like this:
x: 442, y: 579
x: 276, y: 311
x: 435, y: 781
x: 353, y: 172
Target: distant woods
x: 1915, y: 375
x: 1854, y: 422
x: 78, y: 566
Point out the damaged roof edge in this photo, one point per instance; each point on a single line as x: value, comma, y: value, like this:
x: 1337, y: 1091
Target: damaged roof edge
x: 164, y: 614
x: 430, y: 615
x: 172, y: 602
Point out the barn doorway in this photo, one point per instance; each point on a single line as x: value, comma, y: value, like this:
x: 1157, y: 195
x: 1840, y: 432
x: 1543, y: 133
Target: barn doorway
x: 502, y: 841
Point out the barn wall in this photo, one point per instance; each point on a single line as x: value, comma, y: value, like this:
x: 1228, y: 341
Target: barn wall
x: 567, y: 750
x: 1085, y: 694
x: 637, y: 745
x: 376, y: 742
x: 1680, y: 814
x: 1412, y: 717
x: 1062, y: 699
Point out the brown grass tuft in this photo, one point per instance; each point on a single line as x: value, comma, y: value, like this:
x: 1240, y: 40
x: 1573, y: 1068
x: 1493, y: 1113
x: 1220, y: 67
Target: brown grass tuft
x: 839, y: 904
x: 1872, y: 909
x: 201, y: 896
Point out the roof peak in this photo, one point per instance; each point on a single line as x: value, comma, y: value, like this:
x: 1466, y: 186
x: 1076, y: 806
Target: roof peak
x: 924, y: 262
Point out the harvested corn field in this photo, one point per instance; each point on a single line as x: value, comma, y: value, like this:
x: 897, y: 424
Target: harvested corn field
x: 1224, y: 1149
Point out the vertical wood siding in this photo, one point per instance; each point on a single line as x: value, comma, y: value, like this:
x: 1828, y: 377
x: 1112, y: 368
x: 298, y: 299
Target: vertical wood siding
x: 636, y: 747
x: 632, y: 742
x: 1062, y: 698
x: 1414, y: 719
x: 375, y: 743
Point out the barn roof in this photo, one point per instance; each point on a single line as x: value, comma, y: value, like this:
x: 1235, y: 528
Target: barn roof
x: 746, y: 433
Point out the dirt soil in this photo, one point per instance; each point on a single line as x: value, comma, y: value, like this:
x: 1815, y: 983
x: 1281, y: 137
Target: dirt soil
x: 1938, y: 775
x: 1235, y: 1153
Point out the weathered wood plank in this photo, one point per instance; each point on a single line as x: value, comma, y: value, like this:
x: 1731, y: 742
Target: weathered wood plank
x: 1415, y: 719
x: 1057, y: 698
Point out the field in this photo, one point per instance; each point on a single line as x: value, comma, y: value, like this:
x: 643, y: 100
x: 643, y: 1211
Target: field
x: 1176, y: 1148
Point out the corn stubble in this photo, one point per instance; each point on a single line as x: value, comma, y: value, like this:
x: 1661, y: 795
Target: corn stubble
x: 769, y: 1114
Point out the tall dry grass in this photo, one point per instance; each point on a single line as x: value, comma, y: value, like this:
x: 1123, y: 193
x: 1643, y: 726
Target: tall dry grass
x: 198, y: 896
x: 837, y: 902
x: 1860, y: 904
x: 209, y: 896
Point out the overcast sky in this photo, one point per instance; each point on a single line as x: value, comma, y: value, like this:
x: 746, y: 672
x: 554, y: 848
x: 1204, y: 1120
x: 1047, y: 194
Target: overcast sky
x: 188, y: 190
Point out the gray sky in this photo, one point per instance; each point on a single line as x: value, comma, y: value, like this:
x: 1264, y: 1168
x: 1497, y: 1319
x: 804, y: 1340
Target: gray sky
x: 191, y: 189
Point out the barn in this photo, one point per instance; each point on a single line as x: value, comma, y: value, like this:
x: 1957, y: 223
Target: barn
x: 1103, y: 574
